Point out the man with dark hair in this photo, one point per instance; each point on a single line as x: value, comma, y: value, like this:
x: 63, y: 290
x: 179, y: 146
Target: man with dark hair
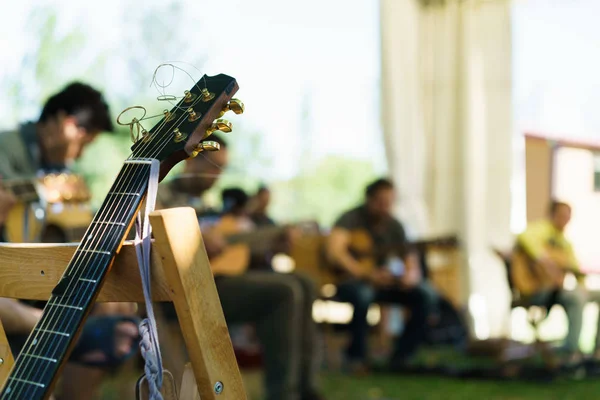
x: 260, y: 206
x: 234, y: 201
x: 536, y: 241
x: 280, y: 305
x: 394, y: 278
x: 70, y: 120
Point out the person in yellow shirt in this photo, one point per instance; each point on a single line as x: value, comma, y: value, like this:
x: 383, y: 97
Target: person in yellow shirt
x: 536, y: 241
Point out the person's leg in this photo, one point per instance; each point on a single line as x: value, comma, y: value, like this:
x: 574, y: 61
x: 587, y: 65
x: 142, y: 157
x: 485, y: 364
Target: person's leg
x: 594, y: 296
x: 413, y: 335
x: 309, y: 338
x: 361, y: 295
x: 274, y: 303
x: 573, y: 302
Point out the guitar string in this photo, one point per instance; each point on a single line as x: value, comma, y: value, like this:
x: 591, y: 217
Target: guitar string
x: 55, y: 318
x: 117, y: 209
x: 128, y: 169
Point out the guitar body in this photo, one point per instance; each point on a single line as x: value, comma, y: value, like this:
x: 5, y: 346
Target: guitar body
x: 234, y: 260
x: 53, y: 208
x: 529, y: 277
x: 363, y: 249
x: 22, y: 225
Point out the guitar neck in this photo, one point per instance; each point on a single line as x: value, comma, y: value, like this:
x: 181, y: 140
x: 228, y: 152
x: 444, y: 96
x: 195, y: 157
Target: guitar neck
x: 49, y: 345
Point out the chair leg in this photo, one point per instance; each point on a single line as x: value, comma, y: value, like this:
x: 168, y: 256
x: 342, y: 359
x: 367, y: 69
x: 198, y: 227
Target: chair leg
x: 543, y: 347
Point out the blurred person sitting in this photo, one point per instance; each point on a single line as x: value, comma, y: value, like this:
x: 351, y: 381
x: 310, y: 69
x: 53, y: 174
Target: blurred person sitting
x: 545, y: 244
x: 279, y: 305
x: 70, y: 120
x: 259, y: 206
x: 394, y: 278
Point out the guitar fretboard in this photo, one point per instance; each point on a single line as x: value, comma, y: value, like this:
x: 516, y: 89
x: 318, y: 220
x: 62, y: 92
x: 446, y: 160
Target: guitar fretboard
x: 49, y: 343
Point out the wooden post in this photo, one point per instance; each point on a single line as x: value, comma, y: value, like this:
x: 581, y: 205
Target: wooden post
x: 6, y: 357
x: 194, y: 295
x: 181, y: 273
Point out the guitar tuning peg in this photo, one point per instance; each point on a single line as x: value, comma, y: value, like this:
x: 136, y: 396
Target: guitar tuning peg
x: 208, y: 145
x: 234, y: 105
x: 219, y: 125
x: 206, y: 95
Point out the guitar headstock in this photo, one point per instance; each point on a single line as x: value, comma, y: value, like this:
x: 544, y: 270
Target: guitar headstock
x: 183, y: 131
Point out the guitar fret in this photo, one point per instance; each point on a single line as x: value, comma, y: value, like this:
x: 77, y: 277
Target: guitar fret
x: 45, y: 350
x: 40, y: 357
x: 106, y: 253
x: 11, y: 378
x: 67, y: 306
x: 54, y: 332
x: 109, y: 223
x: 125, y: 194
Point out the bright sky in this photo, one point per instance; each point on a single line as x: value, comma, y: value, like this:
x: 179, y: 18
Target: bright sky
x: 556, y: 66
x: 317, y: 56
x: 321, y: 56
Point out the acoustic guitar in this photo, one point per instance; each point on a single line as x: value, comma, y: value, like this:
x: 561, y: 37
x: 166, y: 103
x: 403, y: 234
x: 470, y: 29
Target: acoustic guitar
x: 53, y: 207
x: 241, y: 246
x: 181, y: 133
x: 529, y: 277
x: 367, y: 254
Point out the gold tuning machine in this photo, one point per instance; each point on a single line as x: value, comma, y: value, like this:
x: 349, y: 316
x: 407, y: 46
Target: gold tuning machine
x: 234, y: 105
x: 206, y: 95
x: 208, y: 145
x: 219, y: 125
x: 169, y: 116
x: 193, y: 115
x: 178, y: 136
x: 188, y: 96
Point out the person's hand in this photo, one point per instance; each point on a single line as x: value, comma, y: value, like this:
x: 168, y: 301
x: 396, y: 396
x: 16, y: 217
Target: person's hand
x: 410, y: 279
x: 7, y: 201
x: 412, y: 275
x: 381, y: 277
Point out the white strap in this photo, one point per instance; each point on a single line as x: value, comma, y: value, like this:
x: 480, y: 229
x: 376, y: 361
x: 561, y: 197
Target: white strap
x: 149, y: 345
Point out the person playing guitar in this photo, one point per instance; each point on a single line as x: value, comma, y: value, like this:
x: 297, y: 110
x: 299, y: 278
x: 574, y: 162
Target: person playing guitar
x: 369, y: 249
x: 280, y: 305
x: 70, y: 120
x: 542, y: 257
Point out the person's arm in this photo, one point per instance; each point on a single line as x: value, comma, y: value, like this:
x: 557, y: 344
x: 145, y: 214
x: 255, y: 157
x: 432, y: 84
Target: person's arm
x: 571, y: 257
x: 7, y: 171
x: 18, y: 318
x: 7, y: 201
x: 412, y: 269
x: 337, y: 251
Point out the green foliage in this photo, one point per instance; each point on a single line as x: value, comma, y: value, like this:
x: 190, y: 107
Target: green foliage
x: 322, y: 188
x: 322, y: 192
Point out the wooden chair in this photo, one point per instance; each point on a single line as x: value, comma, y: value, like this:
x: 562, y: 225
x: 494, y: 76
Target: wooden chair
x: 181, y: 274
x: 536, y: 314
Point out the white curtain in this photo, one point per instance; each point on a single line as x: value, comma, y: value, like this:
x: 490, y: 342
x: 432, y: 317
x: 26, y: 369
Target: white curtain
x: 446, y: 69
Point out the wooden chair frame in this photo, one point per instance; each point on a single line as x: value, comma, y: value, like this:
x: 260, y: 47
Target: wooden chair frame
x: 180, y: 273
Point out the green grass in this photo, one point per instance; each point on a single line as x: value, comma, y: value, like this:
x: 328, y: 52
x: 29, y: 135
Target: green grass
x: 407, y: 387
x: 392, y: 387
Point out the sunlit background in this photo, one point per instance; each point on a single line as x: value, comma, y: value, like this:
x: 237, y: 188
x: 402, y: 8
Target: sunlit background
x: 310, y: 77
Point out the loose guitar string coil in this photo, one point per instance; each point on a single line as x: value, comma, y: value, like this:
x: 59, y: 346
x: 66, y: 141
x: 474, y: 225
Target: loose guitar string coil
x: 135, y: 125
